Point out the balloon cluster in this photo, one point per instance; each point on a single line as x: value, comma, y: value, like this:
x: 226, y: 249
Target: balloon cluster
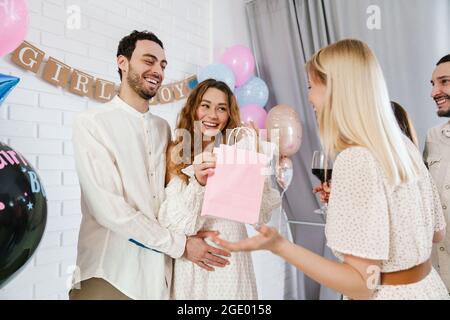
x: 236, y: 69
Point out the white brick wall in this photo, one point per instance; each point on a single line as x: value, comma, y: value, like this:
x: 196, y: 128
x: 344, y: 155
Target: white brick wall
x: 36, y: 118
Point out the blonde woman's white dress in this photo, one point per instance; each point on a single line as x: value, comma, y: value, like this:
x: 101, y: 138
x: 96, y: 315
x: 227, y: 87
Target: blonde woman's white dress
x: 370, y: 219
x: 180, y: 212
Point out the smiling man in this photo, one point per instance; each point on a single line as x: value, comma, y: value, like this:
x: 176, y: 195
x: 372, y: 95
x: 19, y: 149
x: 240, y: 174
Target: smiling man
x: 437, y: 156
x: 120, y: 148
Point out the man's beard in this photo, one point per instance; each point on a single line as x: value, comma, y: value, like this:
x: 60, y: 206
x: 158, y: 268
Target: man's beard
x: 444, y: 113
x: 135, y: 82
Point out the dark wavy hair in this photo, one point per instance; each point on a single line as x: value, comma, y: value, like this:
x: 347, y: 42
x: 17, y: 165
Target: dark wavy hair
x: 186, y: 121
x: 128, y: 44
x: 404, y: 122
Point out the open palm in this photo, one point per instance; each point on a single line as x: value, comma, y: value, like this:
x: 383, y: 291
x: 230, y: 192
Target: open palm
x: 267, y: 239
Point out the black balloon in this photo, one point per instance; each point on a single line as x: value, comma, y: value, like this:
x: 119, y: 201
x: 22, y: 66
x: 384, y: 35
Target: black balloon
x: 23, y: 212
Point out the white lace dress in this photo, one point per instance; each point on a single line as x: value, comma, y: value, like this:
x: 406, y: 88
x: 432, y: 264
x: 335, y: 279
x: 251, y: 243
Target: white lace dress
x: 370, y: 219
x: 181, y: 212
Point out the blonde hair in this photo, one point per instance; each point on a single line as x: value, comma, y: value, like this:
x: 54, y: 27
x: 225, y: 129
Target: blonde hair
x: 357, y: 110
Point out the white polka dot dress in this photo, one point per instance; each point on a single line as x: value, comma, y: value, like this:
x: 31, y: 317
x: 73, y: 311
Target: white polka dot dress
x: 370, y: 219
x: 180, y: 212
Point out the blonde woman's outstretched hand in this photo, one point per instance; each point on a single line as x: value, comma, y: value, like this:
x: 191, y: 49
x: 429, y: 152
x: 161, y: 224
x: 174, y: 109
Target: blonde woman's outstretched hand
x: 267, y: 239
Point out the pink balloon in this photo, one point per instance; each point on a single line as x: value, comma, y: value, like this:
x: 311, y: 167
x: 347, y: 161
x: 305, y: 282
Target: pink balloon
x: 240, y: 59
x: 13, y: 24
x: 255, y: 113
x: 285, y: 119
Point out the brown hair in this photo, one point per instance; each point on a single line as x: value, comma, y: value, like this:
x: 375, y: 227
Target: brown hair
x: 186, y: 121
x: 404, y: 121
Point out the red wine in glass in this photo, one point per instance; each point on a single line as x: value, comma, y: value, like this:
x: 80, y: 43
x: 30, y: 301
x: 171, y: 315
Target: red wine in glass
x: 322, y: 168
x: 322, y: 174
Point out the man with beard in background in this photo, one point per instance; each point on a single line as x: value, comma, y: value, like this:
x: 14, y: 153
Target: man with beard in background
x: 120, y: 148
x: 437, y: 157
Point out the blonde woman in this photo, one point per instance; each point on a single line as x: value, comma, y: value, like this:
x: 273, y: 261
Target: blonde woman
x: 405, y: 124
x: 211, y: 109
x: 384, y: 211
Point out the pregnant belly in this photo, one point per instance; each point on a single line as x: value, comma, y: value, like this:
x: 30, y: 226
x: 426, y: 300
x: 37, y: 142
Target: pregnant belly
x: 229, y: 230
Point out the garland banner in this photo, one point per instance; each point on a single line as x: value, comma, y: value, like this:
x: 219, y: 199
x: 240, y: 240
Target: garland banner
x: 82, y: 84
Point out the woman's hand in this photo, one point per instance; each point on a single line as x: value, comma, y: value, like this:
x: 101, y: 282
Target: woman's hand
x: 324, y: 190
x: 204, y: 164
x: 354, y: 277
x: 267, y: 239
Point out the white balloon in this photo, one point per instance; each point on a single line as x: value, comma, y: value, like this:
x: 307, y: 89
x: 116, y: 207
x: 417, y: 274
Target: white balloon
x: 285, y: 173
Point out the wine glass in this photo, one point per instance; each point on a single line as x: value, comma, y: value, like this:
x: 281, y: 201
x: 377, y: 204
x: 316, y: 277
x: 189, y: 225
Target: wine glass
x: 322, y: 168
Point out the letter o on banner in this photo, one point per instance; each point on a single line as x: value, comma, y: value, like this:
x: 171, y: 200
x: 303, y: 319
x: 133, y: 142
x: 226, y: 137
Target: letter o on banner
x: 165, y: 94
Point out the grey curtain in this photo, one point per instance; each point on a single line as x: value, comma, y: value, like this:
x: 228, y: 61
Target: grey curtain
x: 412, y: 36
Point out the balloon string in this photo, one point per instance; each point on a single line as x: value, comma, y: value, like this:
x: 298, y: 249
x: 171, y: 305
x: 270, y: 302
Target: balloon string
x: 281, y: 210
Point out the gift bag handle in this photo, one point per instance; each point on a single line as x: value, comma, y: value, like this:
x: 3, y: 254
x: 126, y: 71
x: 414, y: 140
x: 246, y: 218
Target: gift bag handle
x: 238, y: 129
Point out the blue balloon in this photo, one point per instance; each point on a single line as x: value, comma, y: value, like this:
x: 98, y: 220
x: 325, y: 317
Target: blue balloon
x: 192, y: 84
x: 255, y: 91
x: 219, y: 72
x: 7, y: 83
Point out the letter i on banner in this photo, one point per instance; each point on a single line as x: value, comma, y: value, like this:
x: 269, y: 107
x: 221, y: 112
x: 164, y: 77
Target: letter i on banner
x: 56, y: 72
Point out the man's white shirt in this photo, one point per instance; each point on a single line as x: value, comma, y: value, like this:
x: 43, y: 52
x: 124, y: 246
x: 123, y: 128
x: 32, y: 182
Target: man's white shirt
x: 120, y: 156
x: 437, y: 156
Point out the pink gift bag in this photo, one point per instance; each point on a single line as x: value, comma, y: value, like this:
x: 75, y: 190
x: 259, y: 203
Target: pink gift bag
x: 235, y: 190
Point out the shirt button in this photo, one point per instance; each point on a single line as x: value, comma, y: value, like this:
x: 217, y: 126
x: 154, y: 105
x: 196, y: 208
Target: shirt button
x: 442, y: 248
x: 154, y: 197
x: 444, y: 207
x: 447, y: 187
x: 151, y: 174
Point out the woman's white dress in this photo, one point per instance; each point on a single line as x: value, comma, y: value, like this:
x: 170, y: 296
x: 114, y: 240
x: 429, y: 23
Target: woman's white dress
x: 370, y: 219
x: 180, y: 212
